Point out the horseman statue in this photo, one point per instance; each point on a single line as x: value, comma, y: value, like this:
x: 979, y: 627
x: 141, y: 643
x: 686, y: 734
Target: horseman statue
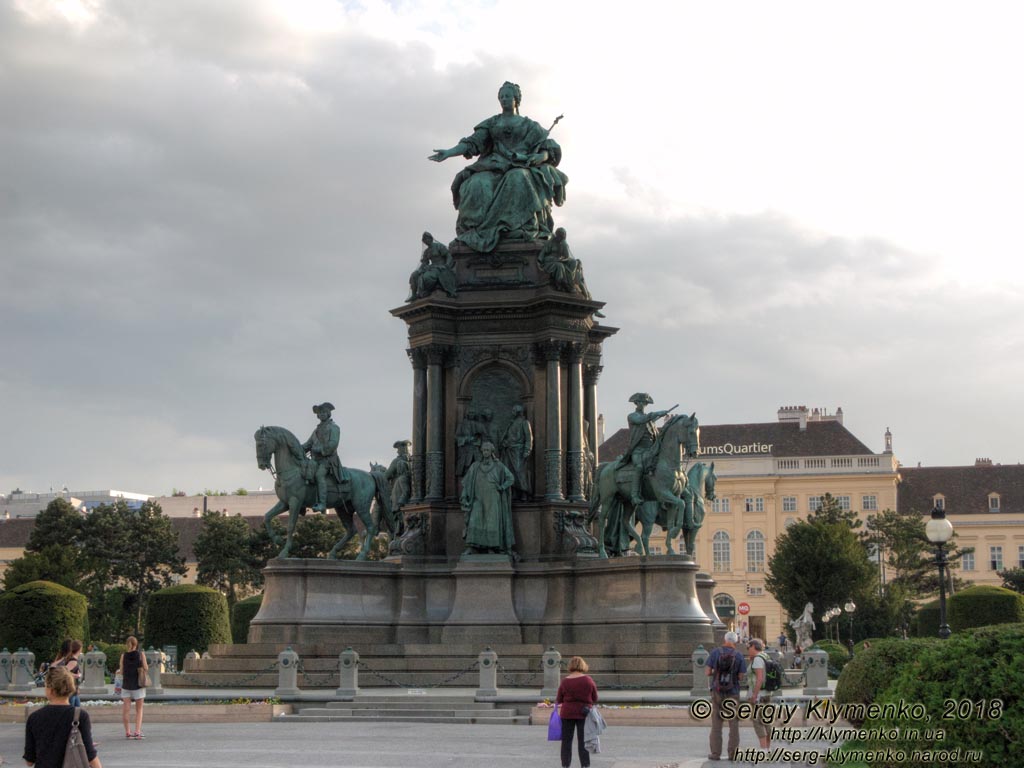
x: 642, y: 435
x: 322, y: 447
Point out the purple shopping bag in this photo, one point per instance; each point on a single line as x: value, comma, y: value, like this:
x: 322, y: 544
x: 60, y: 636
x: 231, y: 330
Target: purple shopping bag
x: 555, y: 726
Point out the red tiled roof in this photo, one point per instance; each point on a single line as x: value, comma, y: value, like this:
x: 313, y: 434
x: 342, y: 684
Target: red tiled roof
x: 965, y: 489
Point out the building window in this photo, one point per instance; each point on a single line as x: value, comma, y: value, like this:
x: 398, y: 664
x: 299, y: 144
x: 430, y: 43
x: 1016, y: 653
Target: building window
x: 721, y: 555
x: 968, y: 561
x: 993, y: 502
x: 789, y: 503
x: 755, y: 504
x: 720, y: 505
x: 869, y: 503
x: 995, y: 556
x: 1020, y: 556
x: 939, y: 501
x: 844, y: 503
x: 813, y: 503
x: 755, y: 552
x: 725, y: 606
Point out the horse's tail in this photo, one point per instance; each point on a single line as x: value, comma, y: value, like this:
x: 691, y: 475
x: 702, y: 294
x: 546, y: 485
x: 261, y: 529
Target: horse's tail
x: 595, y: 494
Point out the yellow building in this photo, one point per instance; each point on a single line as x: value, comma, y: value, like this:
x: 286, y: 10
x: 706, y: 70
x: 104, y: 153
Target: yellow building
x: 769, y: 476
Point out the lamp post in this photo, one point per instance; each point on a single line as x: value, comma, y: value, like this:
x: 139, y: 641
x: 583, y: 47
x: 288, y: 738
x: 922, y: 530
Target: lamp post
x: 939, y: 530
x: 832, y: 613
x: 850, y: 608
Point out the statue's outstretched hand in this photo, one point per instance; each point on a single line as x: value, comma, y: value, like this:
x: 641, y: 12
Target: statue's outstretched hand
x: 439, y: 155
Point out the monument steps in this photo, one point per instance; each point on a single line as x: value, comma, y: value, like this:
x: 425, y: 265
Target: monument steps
x: 395, y: 718
x: 400, y: 709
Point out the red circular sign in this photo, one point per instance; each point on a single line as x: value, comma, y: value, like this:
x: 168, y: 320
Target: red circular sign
x: 743, y: 609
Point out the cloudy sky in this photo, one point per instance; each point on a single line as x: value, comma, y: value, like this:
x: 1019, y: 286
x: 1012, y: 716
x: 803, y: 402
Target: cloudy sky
x: 207, y: 209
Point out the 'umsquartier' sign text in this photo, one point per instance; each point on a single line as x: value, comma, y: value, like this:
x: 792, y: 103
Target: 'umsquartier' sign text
x: 730, y: 449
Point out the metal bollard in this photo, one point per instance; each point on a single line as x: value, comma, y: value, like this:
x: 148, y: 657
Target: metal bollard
x: 699, y: 662
x: 488, y: 674
x: 816, y: 668
x: 287, y: 673
x: 93, y: 680
x: 6, y: 676
x: 349, y: 674
x: 155, y: 659
x: 23, y: 667
x: 552, y: 664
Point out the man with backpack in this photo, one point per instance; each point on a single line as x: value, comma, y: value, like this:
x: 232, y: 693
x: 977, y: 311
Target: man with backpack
x: 765, y: 679
x: 725, y: 667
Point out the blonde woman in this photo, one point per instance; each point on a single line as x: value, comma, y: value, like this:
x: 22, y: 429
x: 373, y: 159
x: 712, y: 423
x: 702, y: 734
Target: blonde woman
x: 47, y: 729
x: 132, y: 660
x: 577, y: 694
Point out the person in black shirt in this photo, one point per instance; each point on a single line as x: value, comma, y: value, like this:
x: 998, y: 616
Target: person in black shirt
x: 132, y: 660
x: 47, y: 729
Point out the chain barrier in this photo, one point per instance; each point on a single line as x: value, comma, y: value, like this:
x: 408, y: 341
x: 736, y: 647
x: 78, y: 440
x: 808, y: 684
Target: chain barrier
x: 801, y: 680
x: 642, y: 686
x: 198, y: 683
x: 329, y: 676
x: 508, y: 679
x: 391, y: 681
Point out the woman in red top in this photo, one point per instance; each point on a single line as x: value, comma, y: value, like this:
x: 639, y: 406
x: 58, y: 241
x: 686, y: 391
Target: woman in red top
x: 577, y: 694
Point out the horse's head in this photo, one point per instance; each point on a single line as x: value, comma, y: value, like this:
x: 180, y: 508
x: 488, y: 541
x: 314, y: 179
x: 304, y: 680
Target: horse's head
x: 376, y: 468
x: 264, y: 447
x: 691, y: 435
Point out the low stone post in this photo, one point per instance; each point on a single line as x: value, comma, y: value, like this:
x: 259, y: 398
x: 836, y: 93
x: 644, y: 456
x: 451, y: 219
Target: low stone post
x: 6, y: 676
x: 552, y: 664
x: 349, y: 674
x: 699, y: 687
x: 23, y: 667
x: 815, y: 666
x: 488, y: 674
x: 155, y: 659
x: 93, y: 680
x: 287, y: 673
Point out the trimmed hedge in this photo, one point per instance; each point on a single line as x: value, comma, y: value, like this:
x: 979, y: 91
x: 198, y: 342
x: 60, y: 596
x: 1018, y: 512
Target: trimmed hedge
x: 39, y: 615
x: 188, y: 616
x: 979, y: 669
x: 983, y: 606
x: 871, y: 670
x: 926, y: 621
x: 242, y: 613
x: 838, y: 655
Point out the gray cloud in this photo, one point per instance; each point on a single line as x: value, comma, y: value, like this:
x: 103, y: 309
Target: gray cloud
x: 203, y: 225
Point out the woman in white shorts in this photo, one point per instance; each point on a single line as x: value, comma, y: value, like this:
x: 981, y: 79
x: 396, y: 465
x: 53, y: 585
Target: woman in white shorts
x: 132, y: 660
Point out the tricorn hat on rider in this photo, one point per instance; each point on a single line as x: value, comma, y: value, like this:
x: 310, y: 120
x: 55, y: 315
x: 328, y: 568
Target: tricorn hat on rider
x: 641, y: 397
x: 402, y: 444
x: 322, y: 406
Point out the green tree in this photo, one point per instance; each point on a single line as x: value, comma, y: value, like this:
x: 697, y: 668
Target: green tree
x: 909, y: 558
x: 58, y: 563
x: 226, y: 558
x: 824, y: 563
x: 830, y: 511
x: 58, y: 524
x: 316, y: 535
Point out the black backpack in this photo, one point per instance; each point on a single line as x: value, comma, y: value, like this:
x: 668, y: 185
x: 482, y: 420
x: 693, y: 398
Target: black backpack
x: 772, y: 673
x: 727, y: 671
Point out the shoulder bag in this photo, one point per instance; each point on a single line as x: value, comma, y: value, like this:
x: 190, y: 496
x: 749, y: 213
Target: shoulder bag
x: 75, y: 755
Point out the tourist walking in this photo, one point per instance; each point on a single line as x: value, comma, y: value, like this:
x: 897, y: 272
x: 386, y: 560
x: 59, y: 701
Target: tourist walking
x: 72, y: 661
x: 758, y: 694
x: 577, y: 694
x: 725, y: 666
x: 47, y: 729
x: 133, y: 661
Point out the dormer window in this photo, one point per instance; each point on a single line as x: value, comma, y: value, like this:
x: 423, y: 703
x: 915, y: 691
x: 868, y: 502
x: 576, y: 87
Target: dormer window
x: 993, y: 502
x: 939, y: 501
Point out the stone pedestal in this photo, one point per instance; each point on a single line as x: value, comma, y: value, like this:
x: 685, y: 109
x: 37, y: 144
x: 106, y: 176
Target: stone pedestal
x: 815, y: 664
x: 155, y: 660
x: 551, y: 662
x: 94, y: 666
x: 23, y: 665
x: 483, y: 611
x: 348, y: 666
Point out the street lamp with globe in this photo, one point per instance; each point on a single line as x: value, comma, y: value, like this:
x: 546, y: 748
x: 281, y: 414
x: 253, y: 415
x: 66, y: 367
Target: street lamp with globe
x: 939, y: 531
x: 850, y: 607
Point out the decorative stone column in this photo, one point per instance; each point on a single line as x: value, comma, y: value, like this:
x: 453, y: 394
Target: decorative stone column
x: 488, y: 675
x: 551, y: 351
x: 551, y: 661
x: 287, y: 673
x: 699, y: 662
x: 418, y: 358
x: 436, y: 354
x: 348, y: 665
x: 591, y: 373
x: 574, y: 454
x: 155, y: 659
x: 5, y: 669
x: 23, y: 666
x: 815, y: 663
x: 93, y: 679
